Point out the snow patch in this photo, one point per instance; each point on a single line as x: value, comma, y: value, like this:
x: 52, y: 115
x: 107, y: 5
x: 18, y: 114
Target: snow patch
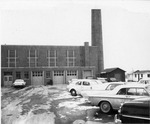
x: 76, y: 105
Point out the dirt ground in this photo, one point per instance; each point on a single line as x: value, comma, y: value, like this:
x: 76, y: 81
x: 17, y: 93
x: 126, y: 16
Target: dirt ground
x: 46, y: 105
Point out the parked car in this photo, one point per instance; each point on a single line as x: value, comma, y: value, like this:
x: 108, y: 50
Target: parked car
x: 76, y: 86
x: 144, y: 81
x: 19, y: 82
x: 114, y: 98
x: 105, y: 87
x: 136, y: 111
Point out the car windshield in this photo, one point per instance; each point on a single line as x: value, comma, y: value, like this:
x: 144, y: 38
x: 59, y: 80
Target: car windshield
x: 19, y: 80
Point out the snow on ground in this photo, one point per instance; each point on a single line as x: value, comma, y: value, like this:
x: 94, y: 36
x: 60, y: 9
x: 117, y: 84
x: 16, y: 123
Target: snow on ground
x: 76, y: 105
x: 35, y: 102
x: 29, y: 105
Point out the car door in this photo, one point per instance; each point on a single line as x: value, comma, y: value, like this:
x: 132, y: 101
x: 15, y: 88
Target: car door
x: 133, y: 93
x: 78, y: 86
x: 119, y: 98
x: 86, y: 86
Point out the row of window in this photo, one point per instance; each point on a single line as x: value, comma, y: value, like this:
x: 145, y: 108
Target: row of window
x: 40, y: 73
x: 141, y: 75
x: 12, y: 58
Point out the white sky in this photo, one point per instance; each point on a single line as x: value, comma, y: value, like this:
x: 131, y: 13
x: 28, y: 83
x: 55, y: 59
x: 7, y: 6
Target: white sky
x: 126, y: 27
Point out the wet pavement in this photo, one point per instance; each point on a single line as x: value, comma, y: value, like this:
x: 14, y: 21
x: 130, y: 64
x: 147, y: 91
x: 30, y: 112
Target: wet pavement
x: 48, y: 105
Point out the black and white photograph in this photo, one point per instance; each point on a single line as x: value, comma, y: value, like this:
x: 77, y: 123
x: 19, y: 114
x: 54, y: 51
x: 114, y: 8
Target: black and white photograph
x: 75, y: 61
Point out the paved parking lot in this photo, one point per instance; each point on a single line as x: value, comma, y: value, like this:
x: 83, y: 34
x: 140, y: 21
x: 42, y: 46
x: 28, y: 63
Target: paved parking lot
x: 48, y: 105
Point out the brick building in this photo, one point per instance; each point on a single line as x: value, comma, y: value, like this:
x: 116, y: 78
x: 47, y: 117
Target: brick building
x: 37, y: 64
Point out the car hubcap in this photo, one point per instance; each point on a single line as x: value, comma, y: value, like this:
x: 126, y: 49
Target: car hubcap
x: 73, y: 92
x: 105, y: 107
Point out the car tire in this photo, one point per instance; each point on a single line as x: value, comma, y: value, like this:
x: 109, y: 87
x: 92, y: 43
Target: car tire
x: 105, y: 107
x: 73, y: 92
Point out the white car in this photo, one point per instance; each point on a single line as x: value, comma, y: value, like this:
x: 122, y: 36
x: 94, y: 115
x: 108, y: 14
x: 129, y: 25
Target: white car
x: 114, y: 98
x: 145, y: 81
x: 76, y: 86
x: 19, y: 82
x: 106, y: 87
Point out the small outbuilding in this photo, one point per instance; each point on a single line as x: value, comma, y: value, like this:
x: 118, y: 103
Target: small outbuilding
x: 113, y: 74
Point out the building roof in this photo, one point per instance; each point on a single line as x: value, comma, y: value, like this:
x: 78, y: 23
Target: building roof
x: 141, y: 71
x: 108, y: 70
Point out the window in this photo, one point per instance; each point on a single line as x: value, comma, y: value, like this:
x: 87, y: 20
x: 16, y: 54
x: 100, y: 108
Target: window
x: 148, y: 75
x: 141, y: 75
x: 8, y: 73
x: 141, y: 92
x: 52, y: 58
x: 70, y: 58
x: 10, y: 78
x: 135, y: 75
x: 48, y: 74
x: 148, y: 88
x: 37, y: 73
x: 71, y: 73
x: 18, y: 75
x: 131, y: 91
x: 58, y: 73
x: 12, y: 58
x: 122, y: 91
x: 86, y: 83
x: 78, y: 83
x: 26, y: 75
x: 32, y: 58
x: 112, y: 86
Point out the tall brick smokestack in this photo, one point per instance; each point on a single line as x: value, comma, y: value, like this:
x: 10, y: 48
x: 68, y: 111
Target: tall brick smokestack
x: 97, y: 36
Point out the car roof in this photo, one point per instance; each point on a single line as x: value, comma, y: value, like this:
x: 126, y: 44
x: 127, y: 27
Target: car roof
x: 135, y: 85
x: 115, y: 83
x: 90, y: 80
x: 145, y: 79
x: 86, y: 80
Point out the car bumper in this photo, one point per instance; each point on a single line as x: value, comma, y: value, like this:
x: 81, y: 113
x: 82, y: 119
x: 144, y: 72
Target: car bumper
x: 18, y: 85
x: 117, y: 119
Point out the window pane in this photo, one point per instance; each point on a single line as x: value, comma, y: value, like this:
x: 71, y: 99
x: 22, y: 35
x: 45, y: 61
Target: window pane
x: 18, y: 75
x: 86, y: 83
x: 78, y: 83
x: 131, y: 91
x: 52, y: 53
x: 48, y: 74
x: 10, y: 79
x: 32, y: 62
x: 12, y: 60
x: 122, y: 91
x: 11, y: 64
x: 12, y: 53
x: 70, y: 53
x: 26, y: 75
x: 32, y: 53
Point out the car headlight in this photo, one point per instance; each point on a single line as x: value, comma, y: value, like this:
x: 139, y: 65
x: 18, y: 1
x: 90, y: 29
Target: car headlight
x: 119, y: 111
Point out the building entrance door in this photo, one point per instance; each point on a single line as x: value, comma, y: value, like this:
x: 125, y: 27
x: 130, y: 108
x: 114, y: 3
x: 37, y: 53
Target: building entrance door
x: 8, y: 80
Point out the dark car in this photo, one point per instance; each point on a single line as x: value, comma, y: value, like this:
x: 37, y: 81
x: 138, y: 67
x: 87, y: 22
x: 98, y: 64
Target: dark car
x: 136, y: 111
